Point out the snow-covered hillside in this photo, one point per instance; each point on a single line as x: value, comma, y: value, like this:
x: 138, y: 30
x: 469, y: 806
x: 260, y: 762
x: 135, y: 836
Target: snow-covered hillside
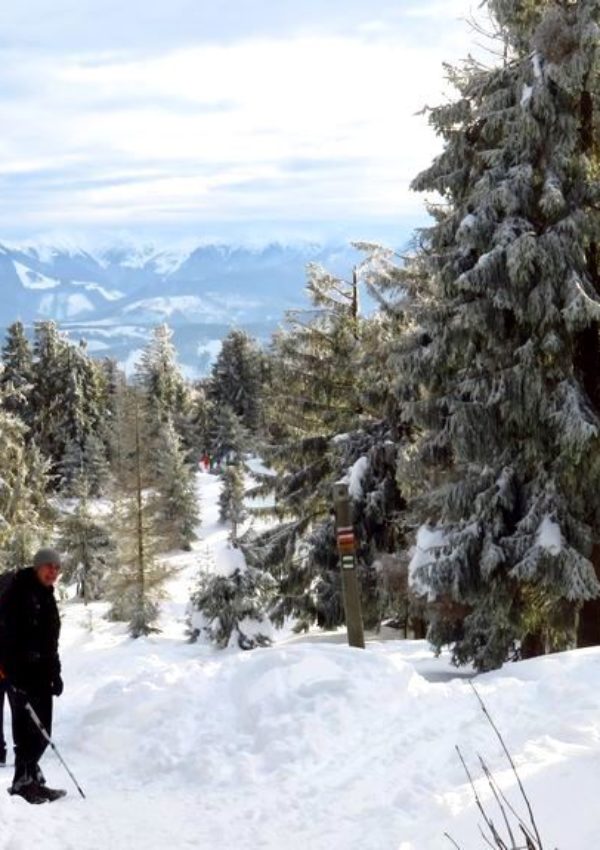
x: 112, y: 296
x: 308, y: 744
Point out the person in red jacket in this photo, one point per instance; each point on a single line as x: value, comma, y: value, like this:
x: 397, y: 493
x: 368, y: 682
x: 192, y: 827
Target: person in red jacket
x: 30, y: 665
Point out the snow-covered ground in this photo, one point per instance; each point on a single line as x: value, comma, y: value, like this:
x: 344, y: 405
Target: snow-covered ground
x: 308, y: 744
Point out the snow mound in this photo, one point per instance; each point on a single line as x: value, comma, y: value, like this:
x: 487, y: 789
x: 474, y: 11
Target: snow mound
x: 275, y: 707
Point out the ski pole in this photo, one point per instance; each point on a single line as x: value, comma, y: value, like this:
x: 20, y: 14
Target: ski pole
x: 29, y: 708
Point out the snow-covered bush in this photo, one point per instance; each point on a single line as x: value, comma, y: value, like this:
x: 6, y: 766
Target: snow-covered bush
x: 231, y: 609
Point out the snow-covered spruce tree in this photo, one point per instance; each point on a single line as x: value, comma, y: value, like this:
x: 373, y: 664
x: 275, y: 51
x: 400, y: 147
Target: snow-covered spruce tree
x: 95, y: 464
x: 175, y: 501
x: 158, y: 374
x: 47, y: 396
x: 231, y: 498
x: 136, y: 585
x: 371, y: 455
x: 89, y: 547
x: 37, y: 474
x: 228, y: 608
x: 66, y: 402
x: 84, y: 452
x: 504, y: 352
x: 17, y: 372
x: 228, y: 439
x: 237, y: 380
x: 86, y: 459
x: 115, y: 385
x: 71, y: 467
x: 312, y: 397
x: 200, y: 419
x: 319, y: 428
x: 23, y: 508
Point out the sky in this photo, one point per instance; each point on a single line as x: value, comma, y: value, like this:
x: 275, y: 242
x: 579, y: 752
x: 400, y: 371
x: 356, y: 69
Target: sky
x: 235, y: 120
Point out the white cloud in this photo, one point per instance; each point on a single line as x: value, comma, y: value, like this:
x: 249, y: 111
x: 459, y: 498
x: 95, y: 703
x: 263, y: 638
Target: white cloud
x: 436, y: 9
x: 319, y: 126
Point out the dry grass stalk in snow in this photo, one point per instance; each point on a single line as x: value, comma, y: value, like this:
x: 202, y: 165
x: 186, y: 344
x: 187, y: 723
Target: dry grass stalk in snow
x: 515, y: 832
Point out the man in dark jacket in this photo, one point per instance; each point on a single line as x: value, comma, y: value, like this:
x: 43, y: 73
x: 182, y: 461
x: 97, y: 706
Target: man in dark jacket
x: 2, y: 740
x: 29, y: 631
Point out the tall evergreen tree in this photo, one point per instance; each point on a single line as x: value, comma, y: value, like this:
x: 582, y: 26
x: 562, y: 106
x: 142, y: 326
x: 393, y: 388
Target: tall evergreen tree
x: 47, y: 397
x: 175, y: 501
x: 83, y: 451
x: 67, y: 397
x: 201, y: 420
x: 95, y: 464
x: 227, y: 437
x: 322, y: 427
x: 23, y: 508
x: 17, y: 377
x: 231, y: 499
x: 237, y: 378
x: 85, y: 460
x: 159, y: 376
x: 501, y: 356
x: 113, y: 409
x: 89, y: 546
x: 136, y: 586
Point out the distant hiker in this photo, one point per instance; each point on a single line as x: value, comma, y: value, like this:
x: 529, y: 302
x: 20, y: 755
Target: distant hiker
x: 29, y: 631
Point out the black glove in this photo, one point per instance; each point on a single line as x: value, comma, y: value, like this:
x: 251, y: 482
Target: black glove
x: 57, y: 685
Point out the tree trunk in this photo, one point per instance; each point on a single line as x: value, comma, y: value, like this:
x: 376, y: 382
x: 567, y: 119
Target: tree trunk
x: 140, y: 516
x: 418, y: 627
x: 586, y: 360
x: 354, y: 308
x: 532, y: 645
x: 588, y: 627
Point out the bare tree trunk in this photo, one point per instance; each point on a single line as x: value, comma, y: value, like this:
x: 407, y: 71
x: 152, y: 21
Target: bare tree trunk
x: 532, y: 645
x: 587, y: 361
x: 86, y: 554
x: 419, y: 628
x: 140, y: 506
x: 588, y: 627
x: 355, y: 307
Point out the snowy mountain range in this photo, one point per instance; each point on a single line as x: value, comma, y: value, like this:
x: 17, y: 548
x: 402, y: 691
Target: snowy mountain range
x: 112, y: 297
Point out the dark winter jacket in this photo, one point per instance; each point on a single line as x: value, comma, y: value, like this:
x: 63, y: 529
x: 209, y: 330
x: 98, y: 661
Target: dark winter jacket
x: 29, y: 631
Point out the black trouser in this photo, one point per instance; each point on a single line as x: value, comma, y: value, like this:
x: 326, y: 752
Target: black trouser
x: 2, y: 739
x: 29, y: 742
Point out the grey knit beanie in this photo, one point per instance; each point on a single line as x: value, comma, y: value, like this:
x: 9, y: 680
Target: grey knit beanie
x: 46, y: 556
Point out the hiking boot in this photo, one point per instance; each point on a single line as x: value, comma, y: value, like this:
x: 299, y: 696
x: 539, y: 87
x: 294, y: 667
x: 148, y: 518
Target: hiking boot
x: 31, y: 792
x: 51, y: 794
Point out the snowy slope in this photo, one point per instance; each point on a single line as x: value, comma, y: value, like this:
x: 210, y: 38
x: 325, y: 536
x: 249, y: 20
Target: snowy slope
x: 305, y: 745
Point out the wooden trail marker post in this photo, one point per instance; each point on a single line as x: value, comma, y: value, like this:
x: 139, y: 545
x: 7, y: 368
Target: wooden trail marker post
x: 347, y: 549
